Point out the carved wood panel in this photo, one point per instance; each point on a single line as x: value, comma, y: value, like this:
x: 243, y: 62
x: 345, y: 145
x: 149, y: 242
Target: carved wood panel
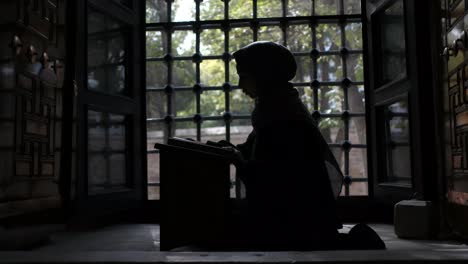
x: 457, y: 104
x: 31, y: 71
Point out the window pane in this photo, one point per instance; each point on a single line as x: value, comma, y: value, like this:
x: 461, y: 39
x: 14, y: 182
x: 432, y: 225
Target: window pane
x: 183, y: 73
x: 328, y: 37
x: 299, y: 8
x: 307, y: 97
x: 326, y: 7
x: 299, y: 38
x: 353, y: 32
x: 392, y: 39
x: 107, y: 145
x: 212, y: 72
x: 270, y: 33
x: 184, y: 103
x: 156, y: 11
x: 156, y: 104
x: 239, y: 37
x: 330, y: 68
x: 107, y: 50
x: 356, y: 99
x: 240, y: 130
x: 397, y: 142
x: 153, y: 168
x: 211, y: 10
x: 358, y: 189
x: 183, y: 43
x: 155, y: 133
x: 358, y: 163
x: 241, y: 104
x: 185, y: 130
x: 240, y: 9
x: 212, y: 103
x: 330, y: 99
x: 352, y: 6
x: 332, y: 129
x: 153, y: 193
x: 156, y: 74
x: 269, y: 8
x: 355, y: 67
x: 154, y: 44
x: 213, y: 130
x: 357, y: 130
x: 183, y: 10
x: 304, y: 69
x: 212, y: 42
x: 233, y: 77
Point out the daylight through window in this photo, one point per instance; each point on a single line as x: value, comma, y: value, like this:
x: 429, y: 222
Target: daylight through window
x: 191, y: 80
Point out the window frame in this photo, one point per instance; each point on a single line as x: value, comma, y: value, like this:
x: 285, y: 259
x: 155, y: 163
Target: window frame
x: 255, y: 22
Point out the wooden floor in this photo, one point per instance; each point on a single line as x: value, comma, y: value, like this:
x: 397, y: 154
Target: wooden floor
x: 139, y: 243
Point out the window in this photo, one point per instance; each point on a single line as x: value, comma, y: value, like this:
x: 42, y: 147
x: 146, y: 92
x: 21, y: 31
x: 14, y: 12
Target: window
x: 191, y: 85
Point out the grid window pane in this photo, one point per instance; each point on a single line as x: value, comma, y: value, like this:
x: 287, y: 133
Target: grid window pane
x: 186, y: 43
x: 153, y: 168
x: 156, y: 11
x: 357, y: 130
x: 269, y: 8
x: 183, y: 10
x: 156, y: 74
x: 240, y: 130
x: 332, y: 129
x: 239, y: 37
x: 328, y: 37
x: 213, y: 130
x: 240, y: 9
x: 299, y: 38
x: 199, y: 111
x: 184, y: 103
x: 330, y: 99
x: 326, y: 7
x: 299, y: 8
x: 307, y: 97
x: 271, y: 33
x: 359, y: 189
x: 212, y: 72
x: 356, y: 99
x: 156, y: 104
x: 352, y: 6
x: 353, y: 33
x: 330, y: 68
x: 154, y: 44
x: 155, y: 133
x: 357, y: 163
x: 304, y: 69
x: 240, y: 103
x: 153, y: 193
x: 185, y: 130
x: 355, y: 68
x: 183, y: 73
x: 211, y: 10
x: 212, y: 42
x: 212, y: 103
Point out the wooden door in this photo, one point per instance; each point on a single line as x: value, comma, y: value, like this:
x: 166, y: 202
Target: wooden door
x: 108, y: 70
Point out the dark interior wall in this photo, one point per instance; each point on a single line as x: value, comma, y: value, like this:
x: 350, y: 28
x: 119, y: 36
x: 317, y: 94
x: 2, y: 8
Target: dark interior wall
x: 32, y: 64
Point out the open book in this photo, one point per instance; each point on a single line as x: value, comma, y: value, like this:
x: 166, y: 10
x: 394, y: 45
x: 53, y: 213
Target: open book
x: 209, y: 147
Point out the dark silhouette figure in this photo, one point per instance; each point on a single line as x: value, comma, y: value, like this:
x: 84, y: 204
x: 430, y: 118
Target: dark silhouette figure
x: 291, y: 177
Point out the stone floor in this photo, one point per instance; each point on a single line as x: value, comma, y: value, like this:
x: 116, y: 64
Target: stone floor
x: 139, y: 243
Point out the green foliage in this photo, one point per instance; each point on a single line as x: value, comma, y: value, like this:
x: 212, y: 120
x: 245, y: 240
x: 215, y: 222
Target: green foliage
x: 212, y: 72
